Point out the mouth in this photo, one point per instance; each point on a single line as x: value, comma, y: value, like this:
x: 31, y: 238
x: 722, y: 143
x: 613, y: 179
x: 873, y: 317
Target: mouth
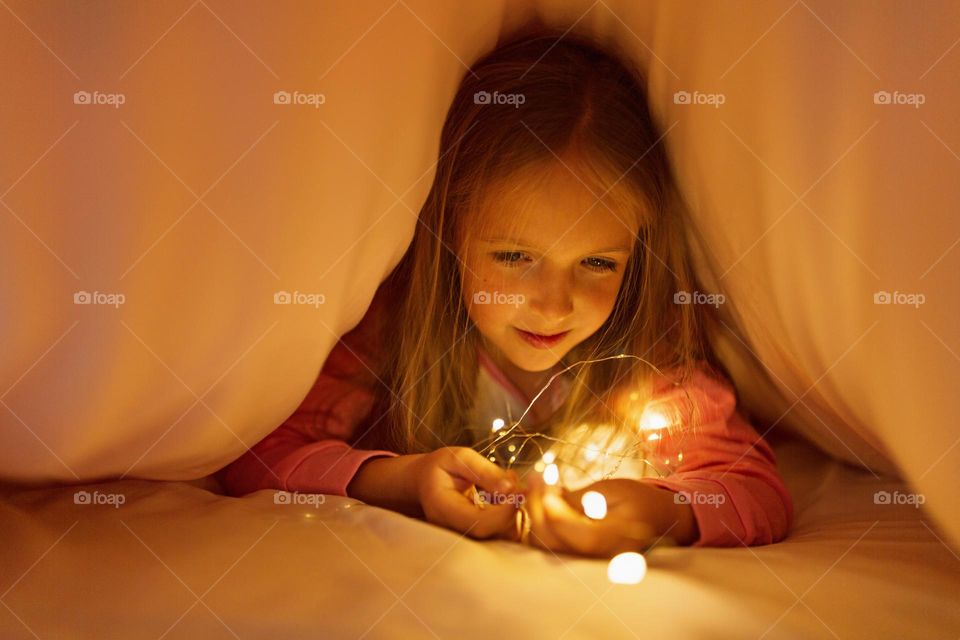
x: 541, y: 341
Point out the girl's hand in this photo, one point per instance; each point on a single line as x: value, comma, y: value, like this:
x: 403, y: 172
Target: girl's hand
x: 443, y: 478
x: 638, y: 514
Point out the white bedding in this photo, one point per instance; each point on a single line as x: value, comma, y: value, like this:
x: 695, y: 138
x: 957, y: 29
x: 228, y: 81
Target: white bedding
x: 810, y: 197
x: 199, y: 199
x: 851, y: 569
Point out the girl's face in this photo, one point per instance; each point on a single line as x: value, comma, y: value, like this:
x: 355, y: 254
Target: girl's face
x: 551, y: 268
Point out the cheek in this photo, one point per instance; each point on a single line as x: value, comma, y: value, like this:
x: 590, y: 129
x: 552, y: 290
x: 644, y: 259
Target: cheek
x: 601, y: 300
x: 484, y: 316
x: 472, y: 280
x: 480, y: 284
x: 489, y: 278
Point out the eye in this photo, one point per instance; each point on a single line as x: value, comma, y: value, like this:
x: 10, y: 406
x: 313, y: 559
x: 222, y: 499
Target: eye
x: 600, y: 265
x: 509, y: 258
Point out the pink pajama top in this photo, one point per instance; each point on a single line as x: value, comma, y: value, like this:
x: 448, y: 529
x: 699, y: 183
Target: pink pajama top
x: 723, y: 469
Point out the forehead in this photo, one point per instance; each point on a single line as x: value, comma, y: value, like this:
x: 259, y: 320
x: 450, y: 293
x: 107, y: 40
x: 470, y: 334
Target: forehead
x: 558, y: 209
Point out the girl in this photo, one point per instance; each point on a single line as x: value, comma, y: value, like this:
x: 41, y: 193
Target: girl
x: 552, y: 234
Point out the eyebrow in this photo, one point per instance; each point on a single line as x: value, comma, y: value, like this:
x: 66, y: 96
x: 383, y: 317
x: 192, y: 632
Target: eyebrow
x: 527, y: 245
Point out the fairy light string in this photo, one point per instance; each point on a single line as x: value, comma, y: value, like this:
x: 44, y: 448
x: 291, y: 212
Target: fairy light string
x: 627, y: 568
x: 508, y: 436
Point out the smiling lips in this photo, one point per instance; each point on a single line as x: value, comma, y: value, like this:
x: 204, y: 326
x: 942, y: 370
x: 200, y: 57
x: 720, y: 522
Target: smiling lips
x: 541, y: 341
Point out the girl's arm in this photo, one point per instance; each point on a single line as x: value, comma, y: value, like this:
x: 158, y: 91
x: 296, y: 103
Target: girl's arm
x: 290, y: 460
x: 727, y: 474
x: 391, y: 483
x: 309, y: 452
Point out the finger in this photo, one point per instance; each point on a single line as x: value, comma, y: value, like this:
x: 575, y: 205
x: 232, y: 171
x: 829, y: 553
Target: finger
x: 613, y: 490
x: 585, y: 538
x: 541, y: 532
x: 458, y: 512
x: 470, y: 465
x: 602, y: 538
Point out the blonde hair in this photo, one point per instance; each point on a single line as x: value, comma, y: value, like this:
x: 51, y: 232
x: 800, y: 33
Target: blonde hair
x: 585, y: 105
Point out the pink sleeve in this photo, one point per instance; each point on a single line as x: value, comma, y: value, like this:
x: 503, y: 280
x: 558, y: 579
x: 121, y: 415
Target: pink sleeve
x: 309, y: 452
x: 726, y: 471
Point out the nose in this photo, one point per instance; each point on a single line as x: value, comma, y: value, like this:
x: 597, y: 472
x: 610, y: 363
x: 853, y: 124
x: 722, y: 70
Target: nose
x: 551, y: 297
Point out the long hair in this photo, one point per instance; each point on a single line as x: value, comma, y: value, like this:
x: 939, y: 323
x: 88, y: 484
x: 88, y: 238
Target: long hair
x: 583, y: 103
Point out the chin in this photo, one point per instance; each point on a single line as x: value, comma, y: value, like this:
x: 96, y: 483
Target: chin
x: 543, y: 363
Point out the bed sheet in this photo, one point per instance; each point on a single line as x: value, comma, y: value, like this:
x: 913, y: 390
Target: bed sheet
x: 177, y: 560
x: 813, y: 188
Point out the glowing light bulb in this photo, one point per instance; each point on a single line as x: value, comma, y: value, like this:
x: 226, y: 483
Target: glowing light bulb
x: 653, y: 420
x: 591, y: 452
x: 549, y: 457
x: 498, y: 424
x: 594, y: 505
x: 627, y: 568
x: 653, y: 436
x: 551, y: 474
